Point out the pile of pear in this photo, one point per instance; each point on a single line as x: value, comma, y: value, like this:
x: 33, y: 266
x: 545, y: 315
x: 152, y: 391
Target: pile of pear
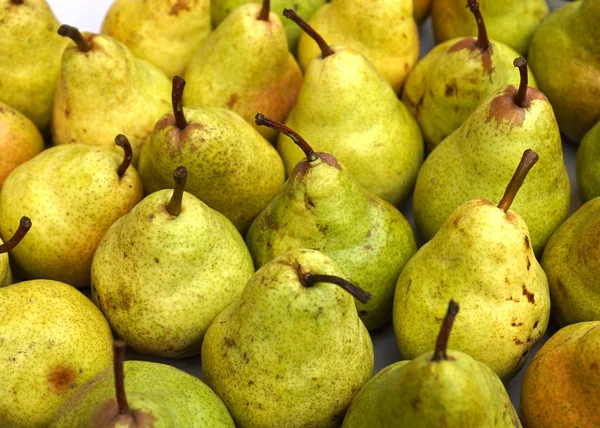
x: 222, y: 180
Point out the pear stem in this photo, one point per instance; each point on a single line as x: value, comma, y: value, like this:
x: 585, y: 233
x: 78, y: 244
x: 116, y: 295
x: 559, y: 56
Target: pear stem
x: 17, y: 1
x: 521, y: 98
x: 264, y: 12
x: 24, y: 226
x: 262, y: 120
x: 441, y: 343
x: 325, y: 48
x: 122, y: 141
x: 73, y: 33
x: 119, y: 358
x: 482, y: 37
x: 528, y: 159
x: 176, y: 96
x: 180, y: 176
x: 309, y: 279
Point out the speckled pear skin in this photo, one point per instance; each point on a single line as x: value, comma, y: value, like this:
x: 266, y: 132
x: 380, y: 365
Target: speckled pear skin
x: 53, y: 341
x: 152, y: 270
x: 347, y: 109
x: 30, y: 52
x: 482, y: 258
x: 566, y: 44
x: 163, y: 32
x: 421, y: 9
x: 286, y: 355
x: 560, y: 387
x: 478, y: 160
x: 105, y: 92
x: 160, y: 395
x: 72, y: 194
x: 384, y: 31
x: 323, y: 208
x: 245, y: 66
x: 588, y: 164
x: 511, y: 22
x: 452, y: 80
x: 232, y: 168
x: 459, y: 392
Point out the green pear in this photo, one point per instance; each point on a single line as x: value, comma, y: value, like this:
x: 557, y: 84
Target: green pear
x: 53, y: 340
x: 30, y: 52
x: 5, y: 247
x: 291, y: 351
x: 169, y: 257
x: 323, y: 208
x: 163, y: 32
x: 482, y: 257
x: 234, y: 170
x: 384, y: 31
x: 565, y: 57
x: 452, y: 80
x: 347, y: 109
x: 588, y: 164
x: 105, y: 90
x: 478, y: 159
x: 73, y: 194
x: 441, y: 388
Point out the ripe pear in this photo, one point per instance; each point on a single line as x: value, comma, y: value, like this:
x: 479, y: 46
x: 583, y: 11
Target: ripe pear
x: 565, y: 57
x: 452, y: 80
x: 323, y: 208
x: 588, y: 164
x: 345, y: 108
x: 30, y: 52
x: 233, y: 169
x: 105, y: 90
x: 441, y: 388
x: 479, y: 157
x: 421, y: 9
x: 5, y: 247
x: 482, y: 257
x: 163, y: 32
x: 169, y: 257
x: 291, y: 351
x: 53, y: 340
x: 73, y: 194
x: 560, y: 387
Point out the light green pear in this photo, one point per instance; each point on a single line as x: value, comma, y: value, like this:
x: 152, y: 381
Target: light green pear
x: 481, y: 257
x: 588, y: 164
x: 291, y: 351
x: 5, y: 247
x: 53, y: 340
x: 477, y: 160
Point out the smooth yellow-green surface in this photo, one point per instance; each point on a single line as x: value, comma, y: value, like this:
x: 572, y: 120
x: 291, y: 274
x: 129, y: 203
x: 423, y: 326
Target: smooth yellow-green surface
x: 588, y: 164
x: 286, y: 355
x: 53, y: 340
x: 5, y: 272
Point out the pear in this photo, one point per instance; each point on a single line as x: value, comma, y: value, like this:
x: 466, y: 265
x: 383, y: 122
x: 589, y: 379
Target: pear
x: 5, y: 247
x: 588, y: 164
x: 73, y: 194
x: 323, y: 208
x: 345, y: 108
x: 482, y: 257
x: 163, y: 32
x: 560, y: 387
x: 510, y: 22
x: 234, y: 170
x: 385, y: 32
x: 53, y: 340
x: 441, y: 388
x: 169, y: 257
x: 30, y: 52
x: 421, y: 9
x: 566, y: 46
x: 142, y: 394
x: 245, y: 65
x: 452, y: 80
x: 477, y: 160
x: 105, y: 90
x: 291, y: 351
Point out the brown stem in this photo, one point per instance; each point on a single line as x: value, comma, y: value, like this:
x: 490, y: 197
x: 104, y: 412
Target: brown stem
x: 119, y: 358
x: 262, y: 120
x: 122, y: 141
x: 441, y: 343
x: 482, y: 38
x: 521, y: 98
x: 264, y: 12
x: 176, y: 96
x: 24, y: 226
x: 16, y: 1
x: 180, y: 176
x: 528, y: 159
x: 309, y: 279
x: 74, y: 34
x: 325, y: 48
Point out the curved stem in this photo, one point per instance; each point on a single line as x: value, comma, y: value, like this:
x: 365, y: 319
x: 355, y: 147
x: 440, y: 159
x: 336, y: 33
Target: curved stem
x: 264, y: 12
x: 119, y: 358
x: 528, y: 159
x: 482, y: 37
x: 325, y: 48
x: 521, y: 98
x: 309, y: 279
x: 176, y: 96
x: 180, y: 176
x: 74, y: 34
x: 441, y: 344
x: 262, y: 120
x: 122, y: 141
x: 24, y: 226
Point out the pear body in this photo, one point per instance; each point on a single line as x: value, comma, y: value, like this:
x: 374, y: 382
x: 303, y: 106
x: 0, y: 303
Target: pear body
x: 245, y: 65
x: 421, y: 9
x: 588, y: 164
x: 162, y: 32
x: 288, y: 355
x: 54, y: 340
x: 72, y: 194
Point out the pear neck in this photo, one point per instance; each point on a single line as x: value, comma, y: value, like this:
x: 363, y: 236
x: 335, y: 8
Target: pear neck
x: 441, y: 344
x: 24, y: 226
x: 310, y: 31
x: 265, y: 10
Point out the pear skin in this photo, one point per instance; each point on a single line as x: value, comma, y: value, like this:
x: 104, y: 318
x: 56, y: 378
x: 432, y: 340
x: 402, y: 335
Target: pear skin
x: 588, y: 164
x: 10, y: 244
